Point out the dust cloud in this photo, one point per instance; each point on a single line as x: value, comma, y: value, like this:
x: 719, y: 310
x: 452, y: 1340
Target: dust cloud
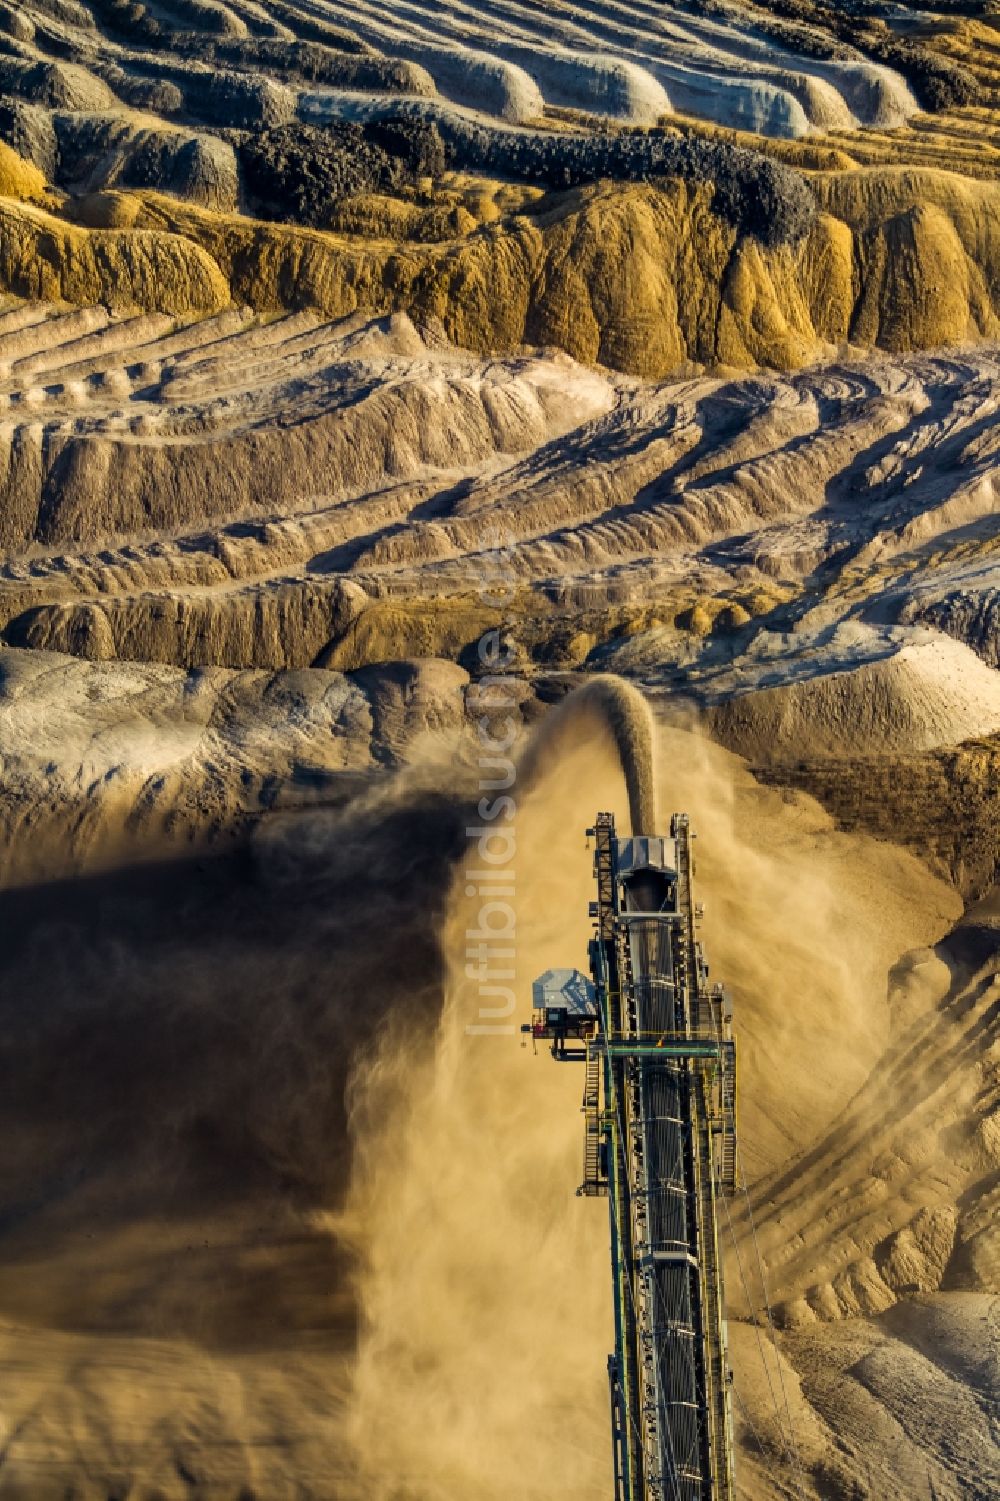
x: 347, y: 1221
x: 483, y: 1283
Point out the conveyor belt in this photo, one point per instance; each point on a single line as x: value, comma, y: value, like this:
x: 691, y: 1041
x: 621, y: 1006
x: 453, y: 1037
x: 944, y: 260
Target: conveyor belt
x: 659, y: 1100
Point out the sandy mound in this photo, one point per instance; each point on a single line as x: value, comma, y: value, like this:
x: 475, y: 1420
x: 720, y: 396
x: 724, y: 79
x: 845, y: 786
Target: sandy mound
x: 559, y: 279
x: 914, y: 273
x: 878, y: 1405
x: 19, y: 178
x: 851, y: 1229
x: 188, y: 457
x: 111, y: 151
x: 659, y: 62
x: 263, y: 487
x: 123, y: 269
x: 306, y: 173
x: 57, y: 85
x: 175, y: 760
x: 969, y: 611
x: 28, y: 129
x: 935, y: 692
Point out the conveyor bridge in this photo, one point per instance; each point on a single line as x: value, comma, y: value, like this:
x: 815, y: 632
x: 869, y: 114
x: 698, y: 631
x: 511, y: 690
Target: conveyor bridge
x: 655, y: 1040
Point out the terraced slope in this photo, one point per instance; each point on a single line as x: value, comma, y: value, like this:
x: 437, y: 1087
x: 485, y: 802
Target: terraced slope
x: 419, y: 160
x: 201, y: 493
x: 808, y: 561
x: 619, y: 58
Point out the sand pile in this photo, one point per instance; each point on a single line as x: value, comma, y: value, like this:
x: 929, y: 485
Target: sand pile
x: 631, y: 62
x: 936, y: 693
x: 354, y: 431
x: 304, y: 173
x: 624, y: 62
x: 416, y: 1354
x: 112, y: 150
x: 19, y: 178
x: 918, y: 1214
x: 941, y: 804
x: 137, y: 762
x: 729, y: 263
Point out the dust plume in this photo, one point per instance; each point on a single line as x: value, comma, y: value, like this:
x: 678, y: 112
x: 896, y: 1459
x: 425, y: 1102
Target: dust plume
x: 483, y: 1283
x: 176, y: 1041
x: 254, y: 1154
